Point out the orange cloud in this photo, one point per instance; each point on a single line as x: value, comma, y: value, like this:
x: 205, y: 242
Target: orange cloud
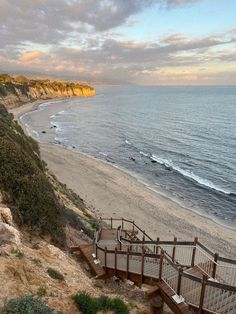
x: 31, y: 55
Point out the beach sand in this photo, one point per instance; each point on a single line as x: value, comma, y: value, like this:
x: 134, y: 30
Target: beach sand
x: 108, y: 191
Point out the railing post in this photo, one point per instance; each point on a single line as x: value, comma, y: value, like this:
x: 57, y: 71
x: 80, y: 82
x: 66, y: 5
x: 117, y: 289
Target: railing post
x: 179, y: 281
x: 115, y: 261
x: 161, y: 264
x: 174, y: 247
x: 111, y: 223
x: 215, y: 265
x: 142, y: 268
x: 133, y: 226
x: 127, y: 263
x: 96, y: 251
x: 157, y: 248
x: 201, y: 302
x: 105, y: 259
x: 194, y: 251
x: 122, y: 223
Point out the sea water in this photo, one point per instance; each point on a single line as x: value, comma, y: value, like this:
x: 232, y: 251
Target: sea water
x: 181, y: 141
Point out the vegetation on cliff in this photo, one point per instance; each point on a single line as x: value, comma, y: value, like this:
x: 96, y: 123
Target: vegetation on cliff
x: 6, y: 79
x: 35, y: 196
x: 90, y: 305
x: 23, y: 182
x: 27, y: 305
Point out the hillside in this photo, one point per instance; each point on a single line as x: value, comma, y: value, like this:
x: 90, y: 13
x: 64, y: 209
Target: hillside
x: 19, y: 90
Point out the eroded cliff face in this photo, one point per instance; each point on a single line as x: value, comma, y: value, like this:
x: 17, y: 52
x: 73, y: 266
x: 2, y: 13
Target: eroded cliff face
x: 14, y: 94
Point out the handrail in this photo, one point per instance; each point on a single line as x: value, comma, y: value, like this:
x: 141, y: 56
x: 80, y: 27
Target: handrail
x: 205, y: 248
x: 175, y: 283
x: 211, y: 264
x: 188, y: 243
x: 151, y: 241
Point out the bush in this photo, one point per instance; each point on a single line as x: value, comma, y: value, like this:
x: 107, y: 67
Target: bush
x: 89, y: 305
x: 118, y: 306
x: 27, y: 305
x: 85, y: 303
x: 53, y: 273
x: 41, y: 291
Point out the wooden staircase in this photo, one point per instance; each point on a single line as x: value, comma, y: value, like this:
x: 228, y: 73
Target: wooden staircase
x: 87, y: 252
x: 187, y: 276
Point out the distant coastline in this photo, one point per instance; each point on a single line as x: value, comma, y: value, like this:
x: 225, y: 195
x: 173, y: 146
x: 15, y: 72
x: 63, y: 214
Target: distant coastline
x: 15, y: 91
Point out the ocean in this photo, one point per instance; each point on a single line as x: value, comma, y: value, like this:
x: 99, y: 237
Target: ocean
x: 179, y: 141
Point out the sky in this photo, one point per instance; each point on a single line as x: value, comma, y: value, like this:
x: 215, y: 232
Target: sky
x: 141, y: 42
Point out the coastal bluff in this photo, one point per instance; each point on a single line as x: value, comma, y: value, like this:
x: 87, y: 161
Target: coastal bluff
x: 19, y: 90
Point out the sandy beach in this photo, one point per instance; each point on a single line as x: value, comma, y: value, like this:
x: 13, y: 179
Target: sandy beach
x: 108, y: 191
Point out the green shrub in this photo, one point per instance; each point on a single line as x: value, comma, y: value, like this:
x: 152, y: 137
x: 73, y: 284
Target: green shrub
x: 27, y: 305
x: 19, y: 254
x: 89, y: 305
x: 104, y: 303
x: 86, y: 304
x: 118, y: 306
x: 53, y: 273
x: 41, y: 291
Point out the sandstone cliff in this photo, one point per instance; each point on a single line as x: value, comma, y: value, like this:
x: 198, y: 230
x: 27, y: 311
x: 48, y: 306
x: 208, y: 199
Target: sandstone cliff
x: 14, y: 93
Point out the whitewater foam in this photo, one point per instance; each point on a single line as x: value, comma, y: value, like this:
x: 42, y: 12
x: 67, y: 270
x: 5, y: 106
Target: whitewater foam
x: 127, y: 142
x: 189, y: 175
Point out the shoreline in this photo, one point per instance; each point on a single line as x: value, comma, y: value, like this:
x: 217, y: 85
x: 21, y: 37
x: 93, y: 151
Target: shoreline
x: 110, y: 191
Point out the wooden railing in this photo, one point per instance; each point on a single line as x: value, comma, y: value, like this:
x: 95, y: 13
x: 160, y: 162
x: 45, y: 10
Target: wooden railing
x: 186, y: 253
x: 167, y: 261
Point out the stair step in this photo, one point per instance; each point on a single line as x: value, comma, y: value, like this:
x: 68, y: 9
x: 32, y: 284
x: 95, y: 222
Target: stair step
x: 86, y: 251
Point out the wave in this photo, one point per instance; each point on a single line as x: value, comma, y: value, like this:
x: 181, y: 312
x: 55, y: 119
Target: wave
x: 127, y: 142
x: 143, y: 154
x: 190, y: 175
x: 103, y: 154
x: 61, y: 112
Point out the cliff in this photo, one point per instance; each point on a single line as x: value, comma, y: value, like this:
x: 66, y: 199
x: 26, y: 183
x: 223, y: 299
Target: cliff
x: 19, y: 90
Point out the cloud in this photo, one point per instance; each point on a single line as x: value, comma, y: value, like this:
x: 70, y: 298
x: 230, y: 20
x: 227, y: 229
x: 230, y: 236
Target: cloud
x: 78, y: 39
x: 31, y: 55
x: 174, y: 57
x: 54, y: 21
x: 175, y: 3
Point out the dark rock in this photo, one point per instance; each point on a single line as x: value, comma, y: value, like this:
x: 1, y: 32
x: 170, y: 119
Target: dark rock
x: 43, y: 132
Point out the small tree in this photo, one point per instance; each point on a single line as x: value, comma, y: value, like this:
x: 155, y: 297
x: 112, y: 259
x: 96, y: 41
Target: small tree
x: 21, y: 79
x: 6, y: 78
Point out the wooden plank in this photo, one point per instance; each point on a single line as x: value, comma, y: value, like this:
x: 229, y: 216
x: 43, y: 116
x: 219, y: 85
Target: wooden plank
x: 167, y: 293
x: 152, y: 292
x: 86, y: 252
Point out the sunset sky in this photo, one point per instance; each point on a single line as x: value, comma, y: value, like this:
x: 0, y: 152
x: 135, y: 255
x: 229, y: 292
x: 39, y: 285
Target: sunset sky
x: 144, y: 42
